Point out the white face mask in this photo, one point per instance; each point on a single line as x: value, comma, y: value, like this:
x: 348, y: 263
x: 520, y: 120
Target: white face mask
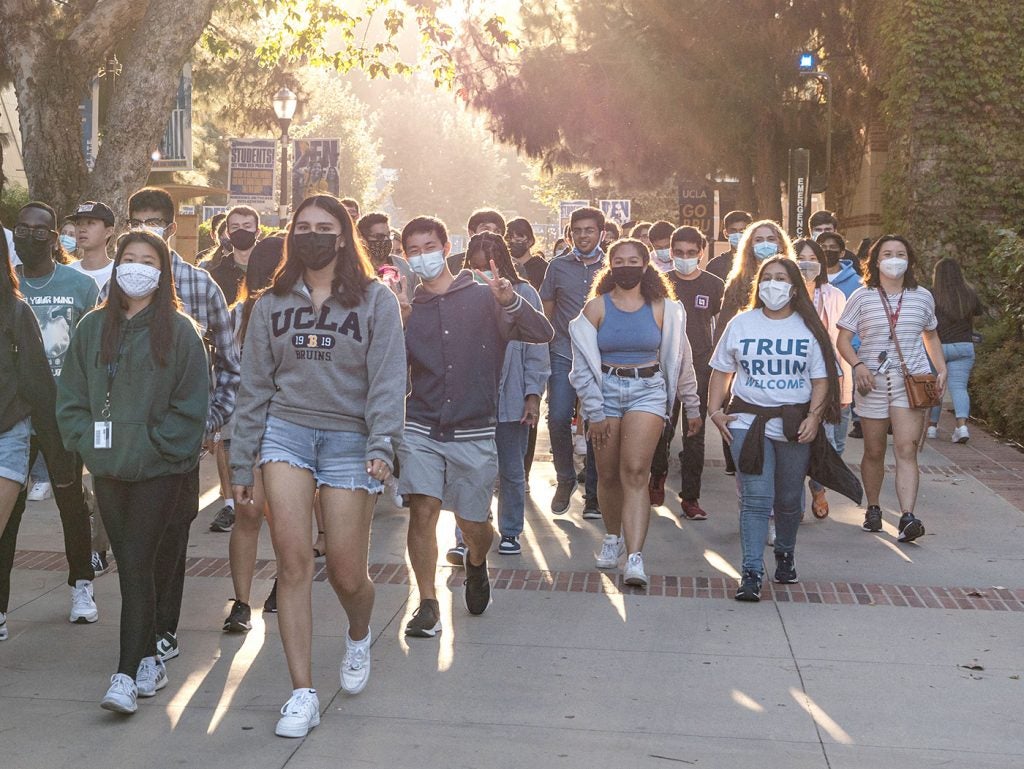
x: 428, y: 266
x: 137, y: 280
x: 662, y: 259
x: 775, y: 293
x: 158, y: 231
x: 809, y: 270
x: 686, y: 266
x: 893, y: 268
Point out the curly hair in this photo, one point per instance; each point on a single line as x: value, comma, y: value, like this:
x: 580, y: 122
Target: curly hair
x: 653, y: 285
x: 745, y: 264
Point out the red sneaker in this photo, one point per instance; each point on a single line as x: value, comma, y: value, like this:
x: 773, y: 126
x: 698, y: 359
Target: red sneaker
x: 656, y: 490
x: 692, y: 510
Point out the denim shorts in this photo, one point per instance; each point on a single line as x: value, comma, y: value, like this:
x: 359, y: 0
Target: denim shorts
x: 335, y: 457
x: 14, y: 448
x: 622, y: 394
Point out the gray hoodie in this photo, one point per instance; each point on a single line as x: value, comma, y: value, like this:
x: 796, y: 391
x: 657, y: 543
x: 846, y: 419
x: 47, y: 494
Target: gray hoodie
x: 333, y: 369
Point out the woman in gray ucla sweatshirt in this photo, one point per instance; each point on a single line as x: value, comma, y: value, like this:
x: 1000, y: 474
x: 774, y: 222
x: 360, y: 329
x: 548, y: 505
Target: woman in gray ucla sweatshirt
x: 321, y: 406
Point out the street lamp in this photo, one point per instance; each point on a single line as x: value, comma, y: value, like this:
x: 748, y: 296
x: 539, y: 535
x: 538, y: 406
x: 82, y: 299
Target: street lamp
x: 806, y: 66
x: 285, y: 103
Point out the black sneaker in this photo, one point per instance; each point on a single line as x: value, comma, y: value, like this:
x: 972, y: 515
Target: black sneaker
x: 240, y: 618
x: 426, y: 620
x: 856, y: 432
x: 510, y: 546
x: 785, y: 569
x: 99, y: 562
x: 872, y: 519
x: 563, y: 496
x: 910, y: 528
x: 591, y: 510
x: 478, y: 587
x: 456, y: 555
x: 270, y: 605
x: 167, y: 646
x: 750, y: 587
x: 224, y: 519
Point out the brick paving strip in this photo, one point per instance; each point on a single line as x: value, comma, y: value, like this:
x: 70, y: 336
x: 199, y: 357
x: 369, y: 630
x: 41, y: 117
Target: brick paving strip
x: 664, y: 585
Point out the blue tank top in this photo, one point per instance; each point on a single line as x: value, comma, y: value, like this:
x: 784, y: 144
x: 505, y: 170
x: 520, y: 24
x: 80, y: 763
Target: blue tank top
x: 628, y: 338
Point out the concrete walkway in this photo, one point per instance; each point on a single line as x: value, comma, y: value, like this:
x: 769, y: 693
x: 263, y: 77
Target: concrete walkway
x: 884, y: 656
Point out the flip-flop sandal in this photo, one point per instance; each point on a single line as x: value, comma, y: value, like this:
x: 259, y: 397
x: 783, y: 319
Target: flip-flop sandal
x: 820, y: 508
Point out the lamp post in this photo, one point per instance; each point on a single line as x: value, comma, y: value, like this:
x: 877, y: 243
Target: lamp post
x: 807, y: 67
x: 285, y: 103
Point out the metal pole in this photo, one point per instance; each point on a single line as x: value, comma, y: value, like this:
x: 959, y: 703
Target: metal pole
x: 283, y: 205
x: 828, y: 127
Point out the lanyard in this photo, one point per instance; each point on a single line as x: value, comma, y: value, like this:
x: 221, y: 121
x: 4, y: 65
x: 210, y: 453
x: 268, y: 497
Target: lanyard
x: 893, y: 316
x: 111, y: 373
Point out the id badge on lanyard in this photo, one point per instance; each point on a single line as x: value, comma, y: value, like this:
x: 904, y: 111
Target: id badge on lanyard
x: 103, y: 430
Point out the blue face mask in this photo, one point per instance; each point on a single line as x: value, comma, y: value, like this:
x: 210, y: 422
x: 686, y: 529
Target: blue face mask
x: 734, y: 238
x: 488, y: 273
x: 765, y: 250
x: 69, y: 243
x: 428, y: 266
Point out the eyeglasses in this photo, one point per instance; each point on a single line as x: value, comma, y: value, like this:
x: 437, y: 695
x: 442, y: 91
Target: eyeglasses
x: 36, y: 233
x: 138, y: 224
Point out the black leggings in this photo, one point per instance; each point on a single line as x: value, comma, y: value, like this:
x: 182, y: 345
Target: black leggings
x: 136, y: 514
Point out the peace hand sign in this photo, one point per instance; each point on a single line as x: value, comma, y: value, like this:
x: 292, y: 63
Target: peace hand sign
x: 500, y: 287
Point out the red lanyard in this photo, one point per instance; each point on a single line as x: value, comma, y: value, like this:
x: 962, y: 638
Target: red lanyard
x: 894, y: 316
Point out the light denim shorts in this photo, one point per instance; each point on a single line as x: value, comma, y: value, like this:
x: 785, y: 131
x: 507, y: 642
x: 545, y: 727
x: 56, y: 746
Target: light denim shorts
x: 622, y: 394
x: 335, y: 457
x: 14, y: 448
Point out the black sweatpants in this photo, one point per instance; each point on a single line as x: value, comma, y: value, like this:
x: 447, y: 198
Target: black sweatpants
x: 691, y: 458
x: 172, y: 553
x: 74, y: 520
x: 136, y: 515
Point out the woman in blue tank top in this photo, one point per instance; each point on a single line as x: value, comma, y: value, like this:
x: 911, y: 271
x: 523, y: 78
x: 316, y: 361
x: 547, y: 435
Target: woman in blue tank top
x: 631, y: 358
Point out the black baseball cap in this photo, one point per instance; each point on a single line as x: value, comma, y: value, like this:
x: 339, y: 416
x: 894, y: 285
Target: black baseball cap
x: 90, y: 209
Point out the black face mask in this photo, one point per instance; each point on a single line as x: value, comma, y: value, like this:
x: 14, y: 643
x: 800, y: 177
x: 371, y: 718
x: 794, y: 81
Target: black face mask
x: 242, y: 240
x: 832, y: 258
x: 519, y: 249
x: 627, y: 277
x: 315, y: 249
x: 33, y: 253
x: 380, y: 251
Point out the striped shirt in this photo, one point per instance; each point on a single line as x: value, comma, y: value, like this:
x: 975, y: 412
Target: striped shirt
x: 865, y: 315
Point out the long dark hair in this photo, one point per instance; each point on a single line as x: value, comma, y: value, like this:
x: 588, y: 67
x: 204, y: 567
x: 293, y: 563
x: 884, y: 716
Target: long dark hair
x: 802, y: 243
x: 9, y: 292
x: 909, y: 278
x: 353, y: 272
x: 804, y: 307
x: 494, y: 248
x: 653, y: 285
x: 745, y: 265
x: 264, y: 261
x: 954, y: 296
x: 165, y: 302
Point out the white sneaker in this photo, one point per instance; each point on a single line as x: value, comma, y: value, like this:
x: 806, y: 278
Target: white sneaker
x: 355, y: 668
x: 3, y: 626
x: 612, y: 549
x: 151, y: 676
x: 932, y: 432
x: 299, y: 714
x: 392, y: 488
x: 635, y: 571
x: 40, y: 491
x: 771, y: 531
x: 960, y: 435
x: 122, y: 696
x: 83, y: 607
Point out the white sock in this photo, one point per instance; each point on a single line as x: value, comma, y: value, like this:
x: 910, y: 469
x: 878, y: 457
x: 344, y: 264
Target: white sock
x: 364, y: 642
x: 302, y: 691
x: 230, y: 502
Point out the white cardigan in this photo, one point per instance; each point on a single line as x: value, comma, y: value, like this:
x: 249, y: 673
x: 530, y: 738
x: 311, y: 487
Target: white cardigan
x: 833, y: 302
x: 674, y: 359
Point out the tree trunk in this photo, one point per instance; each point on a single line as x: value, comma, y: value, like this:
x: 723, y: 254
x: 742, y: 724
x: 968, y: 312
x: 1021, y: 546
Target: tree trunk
x: 766, y: 175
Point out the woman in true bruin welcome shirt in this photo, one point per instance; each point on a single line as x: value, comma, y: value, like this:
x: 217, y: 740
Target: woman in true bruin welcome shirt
x: 630, y: 360
x: 785, y: 384
x: 132, y: 400
x: 320, y: 406
x: 891, y: 297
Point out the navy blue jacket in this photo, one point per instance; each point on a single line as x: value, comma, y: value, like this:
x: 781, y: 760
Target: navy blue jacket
x: 455, y: 344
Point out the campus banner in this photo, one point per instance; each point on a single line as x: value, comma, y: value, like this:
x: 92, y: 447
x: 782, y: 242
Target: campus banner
x: 565, y: 209
x: 314, y: 168
x: 176, y: 146
x: 697, y: 207
x: 618, y: 211
x: 251, y: 173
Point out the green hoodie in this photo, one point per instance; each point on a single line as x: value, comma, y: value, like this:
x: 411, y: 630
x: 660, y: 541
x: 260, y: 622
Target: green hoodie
x: 158, y: 413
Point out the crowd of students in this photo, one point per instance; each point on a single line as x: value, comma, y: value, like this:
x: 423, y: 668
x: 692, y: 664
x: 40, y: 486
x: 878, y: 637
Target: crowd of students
x: 337, y: 360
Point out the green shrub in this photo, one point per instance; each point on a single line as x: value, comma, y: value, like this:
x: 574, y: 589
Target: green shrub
x: 997, y: 395
x: 12, y: 198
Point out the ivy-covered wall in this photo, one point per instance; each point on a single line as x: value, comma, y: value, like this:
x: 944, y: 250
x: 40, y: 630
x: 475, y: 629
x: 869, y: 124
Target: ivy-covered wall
x: 952, y: 79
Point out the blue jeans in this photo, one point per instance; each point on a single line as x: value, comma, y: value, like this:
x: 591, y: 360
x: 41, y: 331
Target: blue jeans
x: 511, y: 439
x: 959, y: 362
x: 779, y: 486
x: 561, y: 407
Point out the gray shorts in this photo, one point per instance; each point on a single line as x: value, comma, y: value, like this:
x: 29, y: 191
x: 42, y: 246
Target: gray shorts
x: 459, y: 473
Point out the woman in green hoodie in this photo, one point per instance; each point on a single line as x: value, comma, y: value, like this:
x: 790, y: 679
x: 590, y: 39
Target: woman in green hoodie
x: 132, y: 400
